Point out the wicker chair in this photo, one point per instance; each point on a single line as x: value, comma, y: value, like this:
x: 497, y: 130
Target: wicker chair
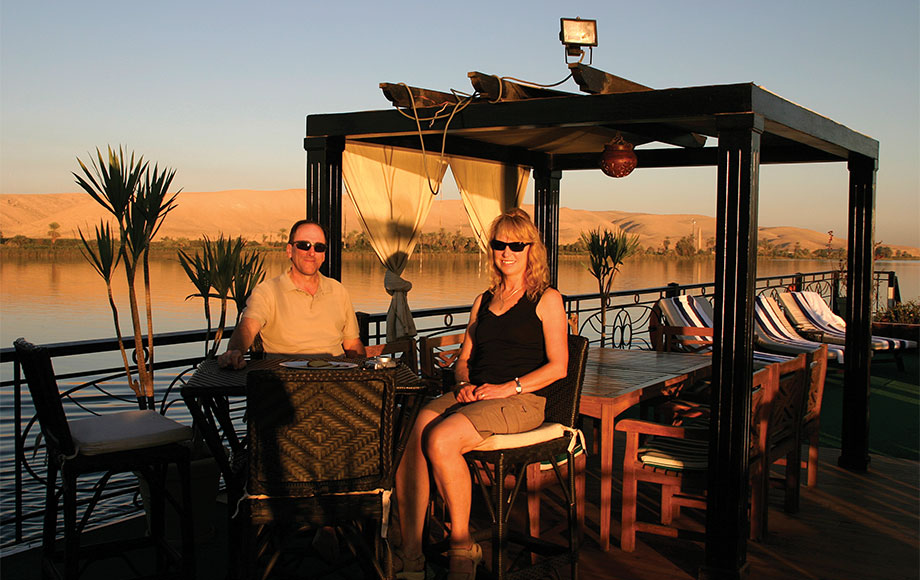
x: 321, y: 449
x: 501, y: 455
x: 140, y: 441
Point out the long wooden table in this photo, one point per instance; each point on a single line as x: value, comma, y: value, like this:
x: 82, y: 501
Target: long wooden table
x: 615, y: 380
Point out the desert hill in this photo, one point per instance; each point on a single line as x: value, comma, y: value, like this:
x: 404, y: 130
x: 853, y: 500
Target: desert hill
x: 264, y: 215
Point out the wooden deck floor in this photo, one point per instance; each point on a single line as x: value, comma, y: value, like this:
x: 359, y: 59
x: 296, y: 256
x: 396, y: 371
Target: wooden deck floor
x: 851, y: 526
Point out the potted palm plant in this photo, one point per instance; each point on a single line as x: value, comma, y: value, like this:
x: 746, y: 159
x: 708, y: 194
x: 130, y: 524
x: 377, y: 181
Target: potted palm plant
x: 607, y: 251
x: 137, y: 197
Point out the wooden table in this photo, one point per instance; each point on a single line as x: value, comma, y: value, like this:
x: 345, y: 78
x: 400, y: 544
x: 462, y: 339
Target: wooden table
x: 615, y: 380
x: 209, y: 395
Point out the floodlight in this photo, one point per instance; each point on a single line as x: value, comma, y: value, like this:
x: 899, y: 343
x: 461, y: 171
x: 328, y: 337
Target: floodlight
x: 576, y: 33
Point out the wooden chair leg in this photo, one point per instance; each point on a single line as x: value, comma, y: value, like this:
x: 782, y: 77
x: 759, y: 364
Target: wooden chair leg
x: 49, y: 527
x: 813, y: 459
x: 628, y: 515
x: 793, y: 470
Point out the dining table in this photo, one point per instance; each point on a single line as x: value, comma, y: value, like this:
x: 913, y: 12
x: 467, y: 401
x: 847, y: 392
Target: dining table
x: 617, y: 379
x: 216, y: 398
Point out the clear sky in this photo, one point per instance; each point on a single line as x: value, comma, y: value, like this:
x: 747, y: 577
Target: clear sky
x: 220, y: 90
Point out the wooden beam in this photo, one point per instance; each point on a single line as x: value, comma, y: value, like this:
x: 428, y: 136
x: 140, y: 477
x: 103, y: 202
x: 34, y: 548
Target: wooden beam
x: 597, y: 82
x: 402, y: 95
x: 495, y: 88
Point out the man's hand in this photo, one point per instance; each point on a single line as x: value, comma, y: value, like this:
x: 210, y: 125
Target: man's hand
x: 231, y: 358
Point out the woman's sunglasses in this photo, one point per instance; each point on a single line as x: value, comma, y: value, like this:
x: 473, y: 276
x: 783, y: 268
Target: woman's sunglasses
x: 515, y: 246
x: 319, y: 247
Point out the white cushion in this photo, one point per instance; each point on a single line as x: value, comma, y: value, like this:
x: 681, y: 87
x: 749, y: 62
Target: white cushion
x: 545, y: 432
x: 126, y: 430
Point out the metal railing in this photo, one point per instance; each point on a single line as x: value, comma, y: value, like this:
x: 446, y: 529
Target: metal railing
x: 100, y: 385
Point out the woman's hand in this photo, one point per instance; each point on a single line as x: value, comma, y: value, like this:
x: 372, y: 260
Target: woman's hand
x: 467, y: 392
x: 494, y: 391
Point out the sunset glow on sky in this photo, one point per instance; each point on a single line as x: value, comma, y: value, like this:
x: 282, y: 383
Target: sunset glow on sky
x: 220, y: 90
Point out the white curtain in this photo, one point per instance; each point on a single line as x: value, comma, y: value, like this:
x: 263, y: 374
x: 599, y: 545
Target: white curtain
x: 392, y: 196
x: 488, y: 189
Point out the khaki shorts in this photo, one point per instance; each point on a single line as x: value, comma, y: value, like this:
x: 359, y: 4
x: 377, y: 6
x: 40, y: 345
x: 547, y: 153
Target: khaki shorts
x: 514, y: 414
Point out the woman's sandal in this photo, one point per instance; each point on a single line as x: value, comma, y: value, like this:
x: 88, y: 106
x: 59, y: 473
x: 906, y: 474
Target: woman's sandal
x: 473, y: 554
x: 417, y: 565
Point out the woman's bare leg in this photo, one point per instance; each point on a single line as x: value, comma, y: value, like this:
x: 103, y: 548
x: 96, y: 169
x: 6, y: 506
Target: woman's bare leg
x: 445, y: 443
x: 412, y: 491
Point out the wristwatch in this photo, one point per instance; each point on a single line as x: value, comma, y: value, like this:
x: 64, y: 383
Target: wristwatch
x: 517, y: 386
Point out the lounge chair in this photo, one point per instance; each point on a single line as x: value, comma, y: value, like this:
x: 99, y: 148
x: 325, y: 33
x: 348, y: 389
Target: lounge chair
x: 774, y: 333
x: 813, y: 318
x: 689, y: 327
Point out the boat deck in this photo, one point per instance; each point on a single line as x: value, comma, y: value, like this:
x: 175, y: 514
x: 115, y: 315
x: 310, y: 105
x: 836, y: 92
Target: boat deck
x: 852, y: 525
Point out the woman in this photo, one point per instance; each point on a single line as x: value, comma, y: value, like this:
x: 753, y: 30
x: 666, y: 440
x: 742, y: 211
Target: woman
x: 515, y: 344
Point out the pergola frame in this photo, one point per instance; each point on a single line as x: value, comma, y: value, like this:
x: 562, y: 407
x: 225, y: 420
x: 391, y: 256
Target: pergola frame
x: 753, y: 127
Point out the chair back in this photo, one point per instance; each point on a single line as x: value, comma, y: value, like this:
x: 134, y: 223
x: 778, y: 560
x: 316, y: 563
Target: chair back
x: 817, y: 363
x: 315, y: 432
x: 563, y: 396
x: 684, y: 322
x: 437, y: 356
x: 39, y: 372
x: 406, y: 351
x: 787, y: 401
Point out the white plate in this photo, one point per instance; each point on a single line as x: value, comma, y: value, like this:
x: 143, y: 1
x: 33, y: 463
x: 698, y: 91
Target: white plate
x: 305, y: 365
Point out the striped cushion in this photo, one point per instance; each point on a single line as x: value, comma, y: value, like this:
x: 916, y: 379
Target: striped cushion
x: 773, y: 331
x: 692, y: 311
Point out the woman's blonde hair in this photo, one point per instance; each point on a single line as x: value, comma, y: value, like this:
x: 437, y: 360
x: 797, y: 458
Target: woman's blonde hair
x: 516, y: 225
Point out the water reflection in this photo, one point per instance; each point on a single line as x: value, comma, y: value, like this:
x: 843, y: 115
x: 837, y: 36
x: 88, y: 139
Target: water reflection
x: 65, y: 299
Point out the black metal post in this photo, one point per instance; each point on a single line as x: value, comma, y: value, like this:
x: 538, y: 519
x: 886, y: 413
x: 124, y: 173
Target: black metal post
x: 854, y: 436
x: 546, y: 215
x: 324, y: 195
x: 736, y: 264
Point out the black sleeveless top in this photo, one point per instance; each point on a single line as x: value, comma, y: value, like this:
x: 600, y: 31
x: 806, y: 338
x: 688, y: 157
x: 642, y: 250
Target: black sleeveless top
x: 506, y: 346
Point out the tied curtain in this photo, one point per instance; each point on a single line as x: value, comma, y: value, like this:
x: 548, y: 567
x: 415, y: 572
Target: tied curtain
x: 488, y: 189
x: 390, y: 190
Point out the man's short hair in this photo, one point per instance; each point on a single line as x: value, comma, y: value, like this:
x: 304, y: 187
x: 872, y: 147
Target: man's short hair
x: 299, y: 223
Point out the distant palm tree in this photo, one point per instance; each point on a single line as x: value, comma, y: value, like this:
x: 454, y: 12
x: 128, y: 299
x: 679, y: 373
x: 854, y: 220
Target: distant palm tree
x: 53, y: 232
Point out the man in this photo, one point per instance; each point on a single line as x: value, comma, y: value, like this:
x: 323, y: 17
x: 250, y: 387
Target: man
x: 300, y: 311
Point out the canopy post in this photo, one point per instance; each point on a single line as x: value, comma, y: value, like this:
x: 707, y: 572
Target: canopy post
x: 727, y: 524
x: 546, y: 215
x: 854, y: 435
x: 324, y: 195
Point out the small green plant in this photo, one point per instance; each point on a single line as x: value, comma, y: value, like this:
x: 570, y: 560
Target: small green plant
x: 226, y: 269
x: 607, y: 251
x: 902, y: 313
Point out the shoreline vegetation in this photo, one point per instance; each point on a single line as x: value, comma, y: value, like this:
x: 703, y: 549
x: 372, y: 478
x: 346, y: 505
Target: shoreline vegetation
x: 433, y: 243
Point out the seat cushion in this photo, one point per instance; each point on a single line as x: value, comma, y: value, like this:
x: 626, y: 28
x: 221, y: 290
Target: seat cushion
x: 545, y: 432
x: 124, y: 431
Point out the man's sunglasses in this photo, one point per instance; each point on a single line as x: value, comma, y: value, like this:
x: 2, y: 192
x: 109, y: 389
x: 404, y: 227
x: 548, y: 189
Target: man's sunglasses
x: 515, y: 246
x: 319, y: 247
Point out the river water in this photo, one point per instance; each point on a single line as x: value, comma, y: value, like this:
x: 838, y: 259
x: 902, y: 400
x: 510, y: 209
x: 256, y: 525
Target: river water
x: 65, y: 300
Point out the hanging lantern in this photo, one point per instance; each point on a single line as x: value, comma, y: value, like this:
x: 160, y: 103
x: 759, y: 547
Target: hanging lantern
x: 618, y: 158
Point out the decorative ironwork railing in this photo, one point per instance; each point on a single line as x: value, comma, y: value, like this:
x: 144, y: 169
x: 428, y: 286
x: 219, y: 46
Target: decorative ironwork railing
x: 92, y: 381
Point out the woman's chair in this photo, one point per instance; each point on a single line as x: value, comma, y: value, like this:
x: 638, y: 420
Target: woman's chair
x: 322, y: 453
x: 140, y: 441
x: 499, y: 456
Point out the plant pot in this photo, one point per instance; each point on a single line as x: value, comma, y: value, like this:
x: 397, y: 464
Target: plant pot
x: 897, y: 330
x: 205, y: 480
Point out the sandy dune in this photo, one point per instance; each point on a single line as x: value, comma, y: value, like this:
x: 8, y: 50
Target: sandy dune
x: 259, y: 215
